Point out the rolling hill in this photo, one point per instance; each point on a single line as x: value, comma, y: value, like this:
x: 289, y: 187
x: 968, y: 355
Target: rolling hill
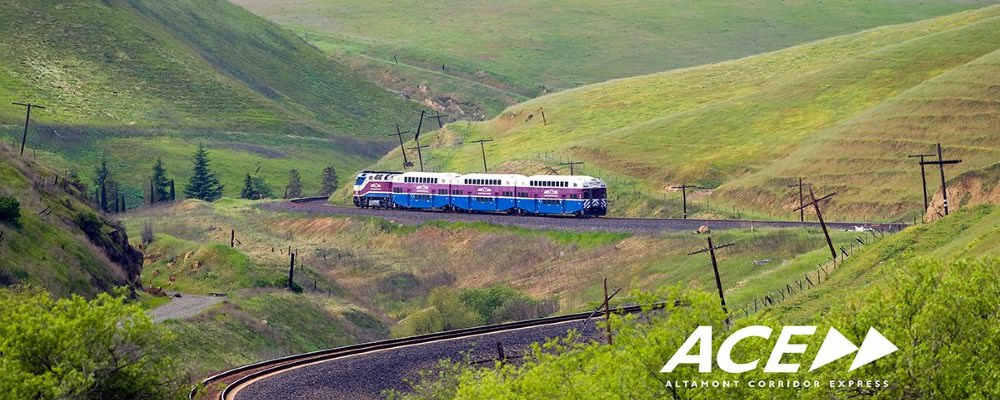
x: 133, y: 80
x: 60, y: 242
x: 843, y: 112
x: 479, y: 57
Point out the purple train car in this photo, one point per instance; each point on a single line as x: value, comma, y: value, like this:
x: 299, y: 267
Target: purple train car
x: 582, y: 196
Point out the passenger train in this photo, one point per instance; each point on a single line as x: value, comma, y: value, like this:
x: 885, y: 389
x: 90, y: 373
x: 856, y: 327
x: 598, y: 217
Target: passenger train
x: 582, y: 196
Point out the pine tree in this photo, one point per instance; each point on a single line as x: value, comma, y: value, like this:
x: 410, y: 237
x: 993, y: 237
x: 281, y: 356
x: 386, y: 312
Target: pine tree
x: 294, y: 185
x: 160, y: 183
x: 255, y: 188
x: 101, y: 174
x: 203, y: 183
x: 329, y: 181
x: 247, y: 192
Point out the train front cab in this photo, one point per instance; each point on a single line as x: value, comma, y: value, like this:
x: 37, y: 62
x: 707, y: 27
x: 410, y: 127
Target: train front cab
x: 372, y: 189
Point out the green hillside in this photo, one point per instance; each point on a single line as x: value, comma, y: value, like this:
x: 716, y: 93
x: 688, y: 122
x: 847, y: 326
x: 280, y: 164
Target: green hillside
x: 132, y: 80
x: 59, y: 242
x: 844, y: 112
x: 488, y: 55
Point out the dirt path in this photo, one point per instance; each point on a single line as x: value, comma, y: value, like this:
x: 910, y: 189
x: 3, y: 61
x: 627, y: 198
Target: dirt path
x: 188, y: 305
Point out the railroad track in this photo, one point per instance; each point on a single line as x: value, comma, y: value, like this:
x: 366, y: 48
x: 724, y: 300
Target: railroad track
x: 236, y: 379
x: 319, y: 206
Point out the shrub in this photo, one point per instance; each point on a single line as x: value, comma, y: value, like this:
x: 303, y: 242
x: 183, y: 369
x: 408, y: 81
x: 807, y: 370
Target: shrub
x: 10, y: 210
x: 73, y: 348
x: 147, y: 233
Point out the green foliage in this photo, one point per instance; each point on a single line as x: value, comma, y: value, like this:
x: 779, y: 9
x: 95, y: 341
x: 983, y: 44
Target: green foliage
x: 203, y: 184
x: 942, y: 316
x: 72, y: 348
x: 445, y: 311
x: 329, y: 181
x: 255, y: 188
x: 498, y: 303
x: 10, y: 210
x: 294, y: 185
x: 160, y: 183
x: 89, y: 223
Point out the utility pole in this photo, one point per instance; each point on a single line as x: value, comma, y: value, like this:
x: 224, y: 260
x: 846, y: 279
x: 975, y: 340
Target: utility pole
x: 399, y: 134
x: 940, y: 163
x: 802, y: 211
x: 27, y: 117
x: 420, y: 155
x: 923, y: 176
x: 607, y: 310
x: 291, y: 269
x: 715, y: 267
x: 819, y: 216
x: 438, y: 117
x: 419, y: 125
x: 482, y: 146
x: 571, y: 164
x: 684, y: 196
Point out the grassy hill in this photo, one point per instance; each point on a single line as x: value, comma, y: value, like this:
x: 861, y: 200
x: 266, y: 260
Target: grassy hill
x: 132, y: 80
x: 485, y: 56
x: 843, y: 112
x: 59, y: 243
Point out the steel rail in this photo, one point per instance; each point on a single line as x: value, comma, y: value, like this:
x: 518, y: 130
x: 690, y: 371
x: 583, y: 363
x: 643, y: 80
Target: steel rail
x: 888, y: 226
x: 292, y: 361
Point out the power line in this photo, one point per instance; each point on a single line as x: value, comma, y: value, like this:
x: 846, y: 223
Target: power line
x: 571, y: 164
x: 819, y: 216
x: 399, y: 134
x: 923, y: 176
x: 940, y: 163
x: 684, y: 195
x: 715, y: 267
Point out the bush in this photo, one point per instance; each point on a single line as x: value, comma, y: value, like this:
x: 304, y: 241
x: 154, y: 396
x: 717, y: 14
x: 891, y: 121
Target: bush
x: 147, y: 233
x: 77, y: 349
x: 10, y: 210
x: 500, y: 303
x: 90, y: 223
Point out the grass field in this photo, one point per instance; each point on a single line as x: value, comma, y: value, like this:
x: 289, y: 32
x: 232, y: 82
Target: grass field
x: 495, y: 53
x: 135, y: 80
x: 843, y: 112
x: 969, y: 233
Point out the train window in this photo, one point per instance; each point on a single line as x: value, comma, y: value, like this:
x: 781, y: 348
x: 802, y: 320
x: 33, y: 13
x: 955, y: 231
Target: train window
x: 522, y: 194
x: 574, y: 196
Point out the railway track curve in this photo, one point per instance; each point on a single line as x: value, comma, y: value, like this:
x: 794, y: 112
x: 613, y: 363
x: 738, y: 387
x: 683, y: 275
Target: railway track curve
x: 319, y: 206
x: 236, y: 380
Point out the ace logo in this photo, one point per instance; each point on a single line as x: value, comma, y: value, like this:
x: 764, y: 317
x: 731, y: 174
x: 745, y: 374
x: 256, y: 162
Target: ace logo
x: 834, y: 347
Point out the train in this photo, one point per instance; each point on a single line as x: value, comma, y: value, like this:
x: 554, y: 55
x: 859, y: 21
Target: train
x: 575, y: 195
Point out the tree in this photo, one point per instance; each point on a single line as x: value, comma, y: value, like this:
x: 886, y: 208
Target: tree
x: 72, y: 348
x: 101, y: 175
x: 294, y: 185
x: 159, y: 184
x: 10, y: 210
x: 255, y: 188
x: 329, y: 181
x: 203, y: 183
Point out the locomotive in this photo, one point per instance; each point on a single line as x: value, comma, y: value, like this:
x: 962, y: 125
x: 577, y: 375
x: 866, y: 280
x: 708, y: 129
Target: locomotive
x: 577, y: 195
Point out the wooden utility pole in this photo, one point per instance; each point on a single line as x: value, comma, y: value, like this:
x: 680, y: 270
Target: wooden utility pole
x: 819, y: 216
x: 420, y: 125
x: 715, y: 267
x: 399, y: 134
x: 923, y: 177
x: 802, y: 210
x: 607, y: 310
x: 482, y: 146
x: 438, y: 117
x: 940, y: 163
x: 232, y: 238
x: 291, y: 269
x: 420, y: 155
x: 544, y: 121
x: 684, y: 196
x: 27, y: 117
x: 571, y: 164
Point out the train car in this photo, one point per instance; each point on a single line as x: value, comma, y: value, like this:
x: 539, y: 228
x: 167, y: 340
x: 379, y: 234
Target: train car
x: 582, y: 196
x: 578, y: 195
x: 374, y: 189
x: 422, y: 190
